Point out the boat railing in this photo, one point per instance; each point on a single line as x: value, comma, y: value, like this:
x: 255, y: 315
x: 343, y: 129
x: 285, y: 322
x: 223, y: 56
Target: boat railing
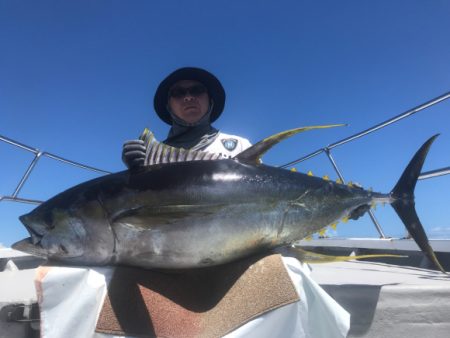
x: 327, y: 150
x: 37, y: 155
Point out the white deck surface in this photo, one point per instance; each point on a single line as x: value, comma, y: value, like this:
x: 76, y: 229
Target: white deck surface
x: 17, y: 287
x: 388, y: 301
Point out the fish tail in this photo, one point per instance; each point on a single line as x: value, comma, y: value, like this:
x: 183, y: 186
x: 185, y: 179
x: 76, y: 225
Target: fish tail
x: 403, y: 204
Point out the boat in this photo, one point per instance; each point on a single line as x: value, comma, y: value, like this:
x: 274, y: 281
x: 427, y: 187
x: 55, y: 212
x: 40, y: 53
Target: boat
x: 388, y: 296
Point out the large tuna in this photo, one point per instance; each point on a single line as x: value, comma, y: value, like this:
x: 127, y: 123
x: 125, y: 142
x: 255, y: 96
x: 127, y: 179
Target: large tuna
x: 197, y: 211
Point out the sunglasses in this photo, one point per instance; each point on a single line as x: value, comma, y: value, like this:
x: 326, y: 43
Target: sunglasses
x: 179, y: 92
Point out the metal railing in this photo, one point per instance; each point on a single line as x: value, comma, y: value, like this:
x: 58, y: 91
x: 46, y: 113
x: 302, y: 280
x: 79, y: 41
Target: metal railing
x: 327, y: 150
x: 37, y: 155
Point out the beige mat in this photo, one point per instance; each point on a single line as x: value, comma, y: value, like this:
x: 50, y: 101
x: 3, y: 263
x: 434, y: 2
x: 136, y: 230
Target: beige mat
x: 198, y: 303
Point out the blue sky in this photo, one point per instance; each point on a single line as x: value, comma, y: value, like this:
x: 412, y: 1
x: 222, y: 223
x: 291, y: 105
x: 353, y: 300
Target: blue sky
x: 77, y: 79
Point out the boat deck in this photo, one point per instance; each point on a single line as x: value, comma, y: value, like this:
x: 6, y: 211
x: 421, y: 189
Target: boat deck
x: 387, y: 297
x: 387, y: 300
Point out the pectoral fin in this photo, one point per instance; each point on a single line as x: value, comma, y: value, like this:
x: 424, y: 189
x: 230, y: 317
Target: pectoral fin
x: 156, y: 216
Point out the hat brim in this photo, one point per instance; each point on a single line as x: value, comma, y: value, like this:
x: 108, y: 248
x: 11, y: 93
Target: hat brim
x: 215, y: 91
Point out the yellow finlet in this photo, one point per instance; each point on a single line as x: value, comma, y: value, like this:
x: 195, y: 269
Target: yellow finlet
x: 350, y: 184
x: 339, y: 181
x: 344, y: 219
x: 333, y: 226
x: 308, y: 238
x: 326, y: 178
x: 322, y: 232
x: 294, y: 170
x: 310, y: 173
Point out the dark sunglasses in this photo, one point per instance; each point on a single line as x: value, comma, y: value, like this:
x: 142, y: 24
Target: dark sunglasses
x: 179, y: 92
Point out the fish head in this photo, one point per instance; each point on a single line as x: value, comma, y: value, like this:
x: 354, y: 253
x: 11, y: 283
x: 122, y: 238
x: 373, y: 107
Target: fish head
x: 53, y: 233
x: 64, y: 235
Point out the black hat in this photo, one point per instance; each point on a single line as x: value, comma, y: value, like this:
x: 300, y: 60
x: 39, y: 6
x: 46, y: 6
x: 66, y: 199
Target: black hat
x: 215, y: 91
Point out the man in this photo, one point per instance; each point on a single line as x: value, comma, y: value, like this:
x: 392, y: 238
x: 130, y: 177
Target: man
x: 189, y: 100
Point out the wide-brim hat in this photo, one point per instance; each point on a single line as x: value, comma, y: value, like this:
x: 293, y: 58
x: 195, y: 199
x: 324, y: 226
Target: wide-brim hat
x: 215, y: 91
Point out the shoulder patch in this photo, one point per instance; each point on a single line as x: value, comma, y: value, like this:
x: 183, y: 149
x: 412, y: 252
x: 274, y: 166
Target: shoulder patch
x: 229, y: 143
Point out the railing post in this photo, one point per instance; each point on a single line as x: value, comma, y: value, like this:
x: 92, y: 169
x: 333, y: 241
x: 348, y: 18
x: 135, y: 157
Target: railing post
x: 371, y: 214
x: 27, y: 173
x: 333, y: 163
x: 37, y: 155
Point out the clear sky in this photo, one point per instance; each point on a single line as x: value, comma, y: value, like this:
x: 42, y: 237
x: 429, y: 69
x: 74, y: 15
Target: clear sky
x: 77, y: 79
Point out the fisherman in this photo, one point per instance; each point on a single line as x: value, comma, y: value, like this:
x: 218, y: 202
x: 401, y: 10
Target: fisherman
x: 189, y: 100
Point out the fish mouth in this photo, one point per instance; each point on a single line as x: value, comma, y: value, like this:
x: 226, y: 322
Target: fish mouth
x: 30, y: 245
x: 35, y: 236
x: 41, y: 243
x: 26, y: 245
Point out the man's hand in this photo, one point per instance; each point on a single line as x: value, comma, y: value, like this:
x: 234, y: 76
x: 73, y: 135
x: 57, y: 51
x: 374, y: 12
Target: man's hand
x: 133, y: 153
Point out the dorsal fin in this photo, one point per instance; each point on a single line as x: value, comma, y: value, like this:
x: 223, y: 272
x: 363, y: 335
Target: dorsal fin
x: 162, y: 153
x: 253, y: 154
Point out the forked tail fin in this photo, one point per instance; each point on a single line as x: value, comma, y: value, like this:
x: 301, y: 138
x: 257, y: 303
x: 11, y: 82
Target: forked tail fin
x: 403, y: 194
